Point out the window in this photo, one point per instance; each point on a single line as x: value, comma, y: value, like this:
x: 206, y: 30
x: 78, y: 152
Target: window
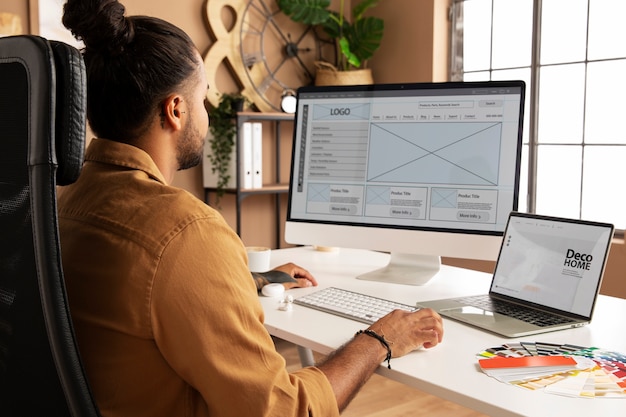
x: 572, y: 56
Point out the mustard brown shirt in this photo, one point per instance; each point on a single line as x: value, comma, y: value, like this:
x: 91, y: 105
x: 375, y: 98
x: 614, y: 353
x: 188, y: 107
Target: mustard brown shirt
x: 166, y: 314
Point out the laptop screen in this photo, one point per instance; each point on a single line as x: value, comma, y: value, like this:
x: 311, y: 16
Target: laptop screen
x: 553, y: 262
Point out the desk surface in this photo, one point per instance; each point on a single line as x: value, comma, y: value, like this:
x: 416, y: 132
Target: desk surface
x: 449, y: 370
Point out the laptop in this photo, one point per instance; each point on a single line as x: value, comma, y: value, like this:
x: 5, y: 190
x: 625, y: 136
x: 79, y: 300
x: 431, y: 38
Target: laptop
x: 547, y: 277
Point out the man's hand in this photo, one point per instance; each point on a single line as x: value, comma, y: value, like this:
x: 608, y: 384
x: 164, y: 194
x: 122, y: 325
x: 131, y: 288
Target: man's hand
x: 406, y: 331
x: 302, y: 276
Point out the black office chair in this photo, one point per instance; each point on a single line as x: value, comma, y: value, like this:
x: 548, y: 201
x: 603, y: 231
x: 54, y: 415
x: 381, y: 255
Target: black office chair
x: 42, y: 134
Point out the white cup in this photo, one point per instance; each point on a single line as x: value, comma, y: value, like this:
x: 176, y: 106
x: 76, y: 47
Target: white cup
x: 258, y: 258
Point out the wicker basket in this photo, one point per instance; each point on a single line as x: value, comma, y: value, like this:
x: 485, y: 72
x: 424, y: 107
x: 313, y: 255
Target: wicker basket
x: 328, y: 75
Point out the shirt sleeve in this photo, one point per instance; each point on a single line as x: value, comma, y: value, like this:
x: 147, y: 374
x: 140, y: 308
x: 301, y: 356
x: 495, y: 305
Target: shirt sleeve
x: 208, y: 324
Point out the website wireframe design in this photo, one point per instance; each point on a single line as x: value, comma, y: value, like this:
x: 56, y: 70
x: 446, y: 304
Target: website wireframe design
x: 407, y: 160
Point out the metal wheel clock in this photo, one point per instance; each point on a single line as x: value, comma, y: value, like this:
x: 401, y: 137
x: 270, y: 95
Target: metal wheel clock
x: 278, y: 55
x: 268, y: 54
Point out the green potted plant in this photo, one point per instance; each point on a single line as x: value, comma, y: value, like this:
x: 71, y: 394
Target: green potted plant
x: 356, y: 37
x: 223, y: 128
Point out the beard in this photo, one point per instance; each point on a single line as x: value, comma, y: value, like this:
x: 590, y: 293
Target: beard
x: 190, y: 147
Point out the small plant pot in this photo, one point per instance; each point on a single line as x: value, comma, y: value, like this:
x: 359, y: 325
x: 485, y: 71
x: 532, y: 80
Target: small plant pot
x: 328, y: 75
x: 237, y: 105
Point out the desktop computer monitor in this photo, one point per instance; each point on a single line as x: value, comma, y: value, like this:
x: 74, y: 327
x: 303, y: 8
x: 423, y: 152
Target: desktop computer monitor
x: 419, y: 170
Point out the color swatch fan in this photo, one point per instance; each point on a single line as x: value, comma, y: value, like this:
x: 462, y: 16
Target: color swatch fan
x: 557, y: 369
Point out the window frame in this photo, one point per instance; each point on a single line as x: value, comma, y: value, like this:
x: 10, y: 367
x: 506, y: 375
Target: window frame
x: 532, y: 145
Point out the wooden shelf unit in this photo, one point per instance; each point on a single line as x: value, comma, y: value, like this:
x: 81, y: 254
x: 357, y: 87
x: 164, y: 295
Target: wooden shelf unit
x: 275, y: 187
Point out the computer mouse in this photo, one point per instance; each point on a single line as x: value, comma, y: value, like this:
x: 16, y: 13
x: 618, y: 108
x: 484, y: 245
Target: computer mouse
x: 273, y: 290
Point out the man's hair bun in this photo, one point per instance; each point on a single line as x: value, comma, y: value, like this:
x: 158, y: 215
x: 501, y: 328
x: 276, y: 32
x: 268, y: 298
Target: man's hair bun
x: 100, y: 24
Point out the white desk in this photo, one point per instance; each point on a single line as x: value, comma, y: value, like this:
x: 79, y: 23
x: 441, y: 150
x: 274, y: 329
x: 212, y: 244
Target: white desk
x: 449, y: 370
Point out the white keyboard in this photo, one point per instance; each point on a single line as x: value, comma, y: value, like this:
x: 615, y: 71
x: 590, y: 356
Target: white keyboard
x: 351, y: 305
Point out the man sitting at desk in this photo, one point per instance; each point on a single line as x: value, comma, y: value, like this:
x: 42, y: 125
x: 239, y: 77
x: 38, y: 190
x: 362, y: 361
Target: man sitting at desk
x: 165, y: 310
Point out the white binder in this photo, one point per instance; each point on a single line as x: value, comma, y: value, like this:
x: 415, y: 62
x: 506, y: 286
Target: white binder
x: 246, y: 156
x: 257, y: 155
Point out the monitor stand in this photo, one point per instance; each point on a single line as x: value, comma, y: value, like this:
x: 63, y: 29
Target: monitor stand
x: 404, y: 268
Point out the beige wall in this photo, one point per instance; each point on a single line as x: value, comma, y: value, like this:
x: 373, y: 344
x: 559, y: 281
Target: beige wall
x: 415, y: 42
x: 414, y: 49
x: 615, y: 276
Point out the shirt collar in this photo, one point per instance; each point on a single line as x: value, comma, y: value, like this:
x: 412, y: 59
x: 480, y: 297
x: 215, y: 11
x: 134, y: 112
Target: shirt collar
x: 121, y: 154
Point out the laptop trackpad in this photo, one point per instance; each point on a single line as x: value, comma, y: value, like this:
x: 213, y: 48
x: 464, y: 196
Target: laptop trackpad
x: 475, y: 315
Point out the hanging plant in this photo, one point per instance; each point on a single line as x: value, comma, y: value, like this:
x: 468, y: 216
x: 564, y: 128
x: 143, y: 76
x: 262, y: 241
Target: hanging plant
x: 223, y: 128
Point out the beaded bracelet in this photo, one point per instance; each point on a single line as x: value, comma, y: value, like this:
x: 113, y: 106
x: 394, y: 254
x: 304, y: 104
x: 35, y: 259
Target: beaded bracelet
x: 381, y: 339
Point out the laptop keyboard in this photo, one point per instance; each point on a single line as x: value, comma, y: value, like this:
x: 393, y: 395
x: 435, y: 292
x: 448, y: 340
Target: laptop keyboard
x: 536, y: 317
x: 351, y: 305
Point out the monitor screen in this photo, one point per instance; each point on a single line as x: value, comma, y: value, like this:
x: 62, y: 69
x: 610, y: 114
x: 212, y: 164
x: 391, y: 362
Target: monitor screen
x: 420, y: 170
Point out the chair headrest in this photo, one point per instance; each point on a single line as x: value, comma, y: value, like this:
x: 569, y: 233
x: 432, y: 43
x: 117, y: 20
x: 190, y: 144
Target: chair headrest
x: 58, y: 116
x: 71, y: 110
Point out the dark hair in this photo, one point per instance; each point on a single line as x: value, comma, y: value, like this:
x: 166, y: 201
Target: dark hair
x: 133, y: 63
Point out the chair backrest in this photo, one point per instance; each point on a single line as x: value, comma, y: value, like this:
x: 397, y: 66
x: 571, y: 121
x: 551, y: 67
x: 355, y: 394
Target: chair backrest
x: 42, y: 136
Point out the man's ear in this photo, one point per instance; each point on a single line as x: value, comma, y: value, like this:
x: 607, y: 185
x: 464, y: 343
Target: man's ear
x: 172, y: 112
